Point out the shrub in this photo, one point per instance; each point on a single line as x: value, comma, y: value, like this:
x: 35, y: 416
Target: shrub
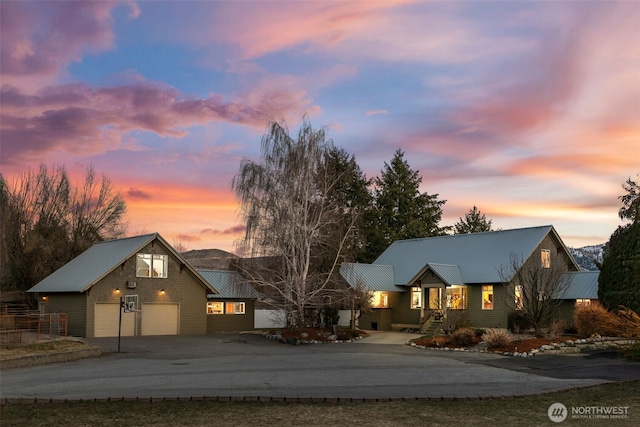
x: 556, y: 328
x: 455, y: 319
x: 495, y: 337
x: 517, y: 322
x: 594, y: 319
x: 463, y: 337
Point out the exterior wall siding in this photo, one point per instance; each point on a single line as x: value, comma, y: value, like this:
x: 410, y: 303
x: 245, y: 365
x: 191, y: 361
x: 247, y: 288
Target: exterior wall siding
x: 496, y: 318
x: 403, y: 316
x: 74, y: 304
x: 180, y: 287
x: 232, y: 322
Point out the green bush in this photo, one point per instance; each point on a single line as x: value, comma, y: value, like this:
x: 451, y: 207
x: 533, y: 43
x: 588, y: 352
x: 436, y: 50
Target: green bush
x: 463, y: 337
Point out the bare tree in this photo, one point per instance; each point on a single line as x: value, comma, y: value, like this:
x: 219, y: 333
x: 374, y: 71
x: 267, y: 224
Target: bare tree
x: 356, y: 295
x: 45, y: 222
x: 535, y: 287
x: 289, y: 214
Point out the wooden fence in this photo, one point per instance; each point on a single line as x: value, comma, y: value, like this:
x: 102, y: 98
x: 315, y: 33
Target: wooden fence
x: 29, y: 328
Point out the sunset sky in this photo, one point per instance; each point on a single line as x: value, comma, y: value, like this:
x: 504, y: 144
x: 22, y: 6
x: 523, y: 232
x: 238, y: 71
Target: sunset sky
x: 529, y: 110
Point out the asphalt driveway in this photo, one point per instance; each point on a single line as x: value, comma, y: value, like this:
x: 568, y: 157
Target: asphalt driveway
x: 378, y: 367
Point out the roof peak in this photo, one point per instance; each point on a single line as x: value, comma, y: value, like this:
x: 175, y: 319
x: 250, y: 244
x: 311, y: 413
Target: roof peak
x: 450, y: 236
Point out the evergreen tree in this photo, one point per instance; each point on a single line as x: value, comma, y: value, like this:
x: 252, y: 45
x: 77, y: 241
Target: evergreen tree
x: 474, y: 222
x: 400, y: 210
x: 619, y: 280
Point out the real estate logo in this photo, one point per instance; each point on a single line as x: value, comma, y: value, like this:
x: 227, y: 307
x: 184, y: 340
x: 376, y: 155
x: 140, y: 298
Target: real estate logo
x: 557, y: 412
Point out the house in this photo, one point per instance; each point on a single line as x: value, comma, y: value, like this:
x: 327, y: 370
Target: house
x: 582, y: 290
x: 232, y: 308
x: 136, y: 286
x: 471, y: 274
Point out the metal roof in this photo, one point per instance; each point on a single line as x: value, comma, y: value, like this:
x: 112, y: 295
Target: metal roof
x: 375, y: 277
x: 582, y: 284
x: 479, y: 256
x: 449, y: 274
x: 95, y: 263
x: 229, y: 284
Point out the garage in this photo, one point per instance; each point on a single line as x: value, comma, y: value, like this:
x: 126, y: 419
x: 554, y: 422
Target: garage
x: 106, y: 319
x: 160, y: 319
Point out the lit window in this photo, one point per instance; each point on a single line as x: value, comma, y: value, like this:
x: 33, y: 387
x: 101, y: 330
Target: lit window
x: 545, y: 257
x: 235, y: 308
x: 380, y: 300
x: 518, y: 297
x: 215, y: 307
x: 416, y: 297
x: 456, y: 297
x: 583, y: 302
x: 148, y: 265
x: 487, y: 297
x: 435, y: 298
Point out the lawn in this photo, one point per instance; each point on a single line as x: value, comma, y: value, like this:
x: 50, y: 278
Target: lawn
x: 520, y: 411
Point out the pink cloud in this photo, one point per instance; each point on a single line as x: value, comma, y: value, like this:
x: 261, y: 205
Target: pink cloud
x: 81, y: 119
x: 39, y: 38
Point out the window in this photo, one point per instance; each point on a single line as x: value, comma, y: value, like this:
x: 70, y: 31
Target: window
x: 435, y: 298
x: 518, y: 297
x: 487, y: 297
x: 215, y: 308
x: 545, y: 257
x: 583, y: 302
x: 235, y: 308
x: 416, y: 297
x: 380, y: 300
x: 148, y: 265
x: 456, y: 297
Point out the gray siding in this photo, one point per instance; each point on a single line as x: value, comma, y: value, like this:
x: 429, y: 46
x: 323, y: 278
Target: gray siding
x: 402, y: 313
x: 232, y: 322
x: 74, y: 304
x: 479, y: 318
x: 180, y: 287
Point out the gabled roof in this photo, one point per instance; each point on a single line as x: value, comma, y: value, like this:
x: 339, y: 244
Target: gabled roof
x: 374, y: 277
x: 479, y: 256
x: 92, y: 265
x: 229, y: 284
x: 582, y: 284
x: 449, y: 274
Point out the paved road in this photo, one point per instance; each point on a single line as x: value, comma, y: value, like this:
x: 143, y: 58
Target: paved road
x: 250, y: 365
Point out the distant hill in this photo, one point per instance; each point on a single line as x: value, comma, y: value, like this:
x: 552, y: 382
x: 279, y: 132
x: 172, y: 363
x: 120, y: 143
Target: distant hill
x: 212, y: 259
x: 587, y: 256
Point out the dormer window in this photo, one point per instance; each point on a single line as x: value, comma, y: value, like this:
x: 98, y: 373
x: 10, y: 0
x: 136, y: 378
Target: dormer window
x: 148, y: 265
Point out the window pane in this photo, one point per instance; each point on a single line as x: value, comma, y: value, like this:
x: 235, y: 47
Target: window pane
x: 160, y: 265
x: 416, y: 297
x: 487, y: 297
x: 518, y: 297
x: 434, y: 299
x: 215, y: 307
x: 545, y: 256
x: 143, y: 265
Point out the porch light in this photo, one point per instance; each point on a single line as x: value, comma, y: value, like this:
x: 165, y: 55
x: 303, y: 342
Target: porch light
x: 161, y: 291
x: 117, y: 290
x: 44, y: 298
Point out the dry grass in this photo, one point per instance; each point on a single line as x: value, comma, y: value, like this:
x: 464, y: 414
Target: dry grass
x: 56, y: 346
x: 521, y: 411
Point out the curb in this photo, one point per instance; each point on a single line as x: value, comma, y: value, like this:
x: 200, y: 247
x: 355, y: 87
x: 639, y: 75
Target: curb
x: 44, y: 359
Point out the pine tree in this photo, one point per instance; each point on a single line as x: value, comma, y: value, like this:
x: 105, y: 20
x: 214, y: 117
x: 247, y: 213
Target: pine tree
x: 400, y: 210
x: 474, y: 222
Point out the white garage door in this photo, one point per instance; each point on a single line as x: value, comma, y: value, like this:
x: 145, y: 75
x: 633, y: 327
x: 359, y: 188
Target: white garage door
x: 106, y: 318
x: 159, y: 319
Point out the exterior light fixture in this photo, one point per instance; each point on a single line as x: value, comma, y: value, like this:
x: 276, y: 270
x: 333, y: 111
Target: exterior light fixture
x: 117, y: 290
x: 44, y: 298
x: 161, y: 291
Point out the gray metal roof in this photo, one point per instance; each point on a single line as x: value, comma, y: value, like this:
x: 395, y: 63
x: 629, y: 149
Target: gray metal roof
x: 449, y: 274
x: 95, y: 263
x: 479, y: 256
x: 582, y: 284
x: 375, y: 277
x: 229, y: 284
